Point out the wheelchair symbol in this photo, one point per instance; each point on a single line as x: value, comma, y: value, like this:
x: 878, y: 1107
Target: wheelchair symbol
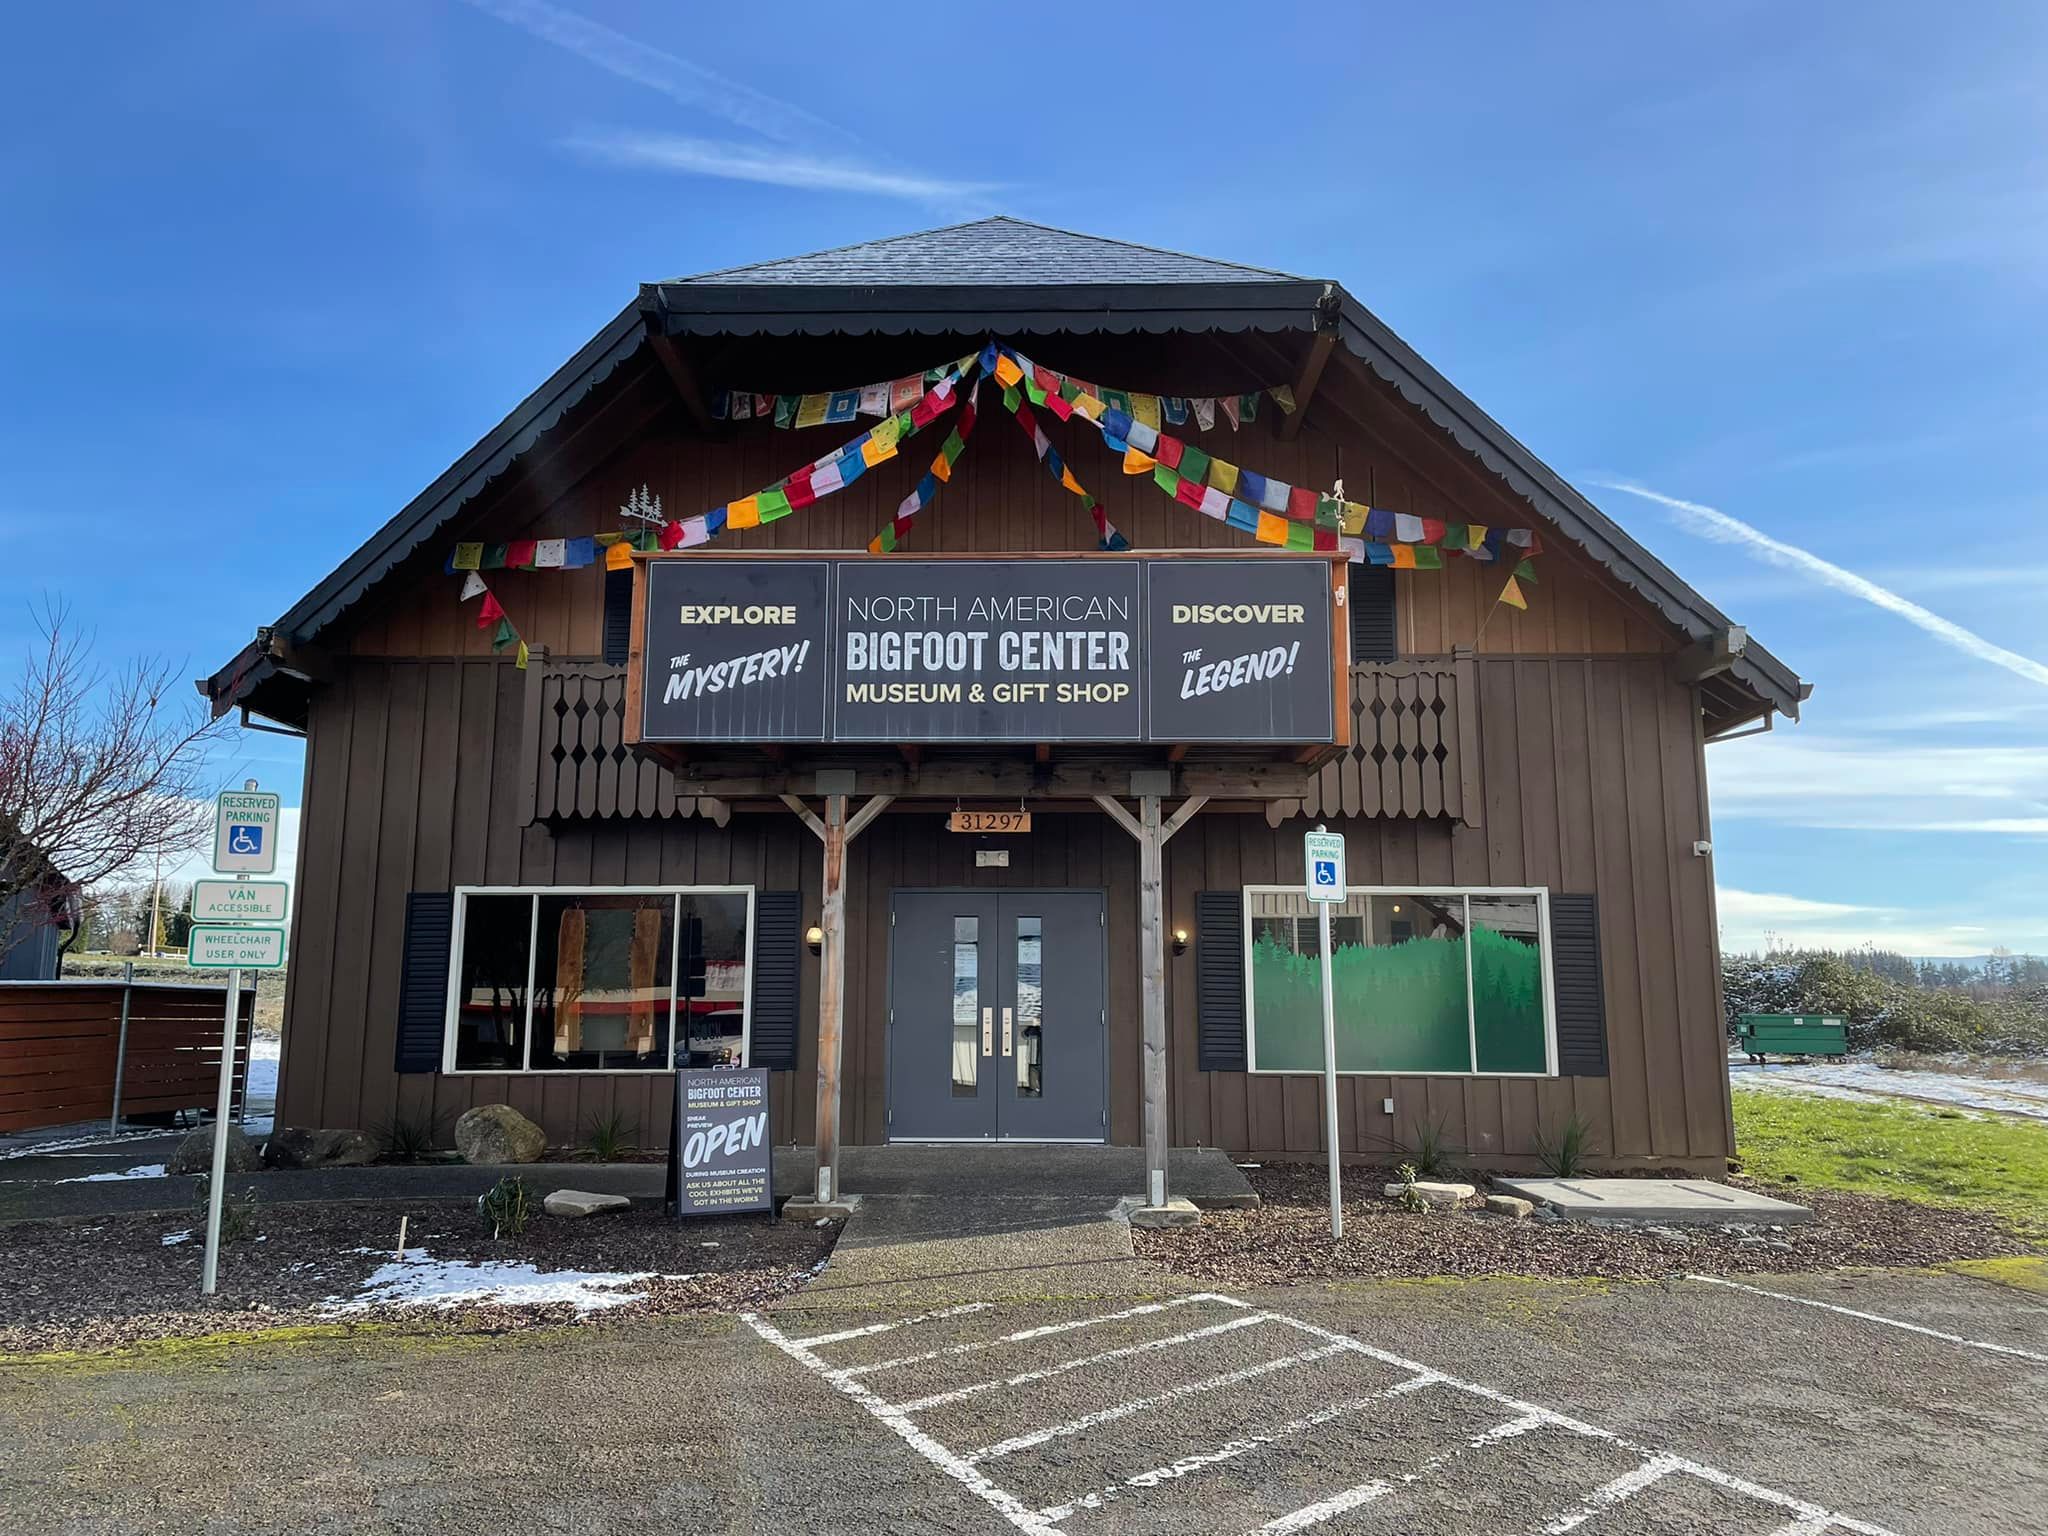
x: 243, y: 839
x: 1326, y: 872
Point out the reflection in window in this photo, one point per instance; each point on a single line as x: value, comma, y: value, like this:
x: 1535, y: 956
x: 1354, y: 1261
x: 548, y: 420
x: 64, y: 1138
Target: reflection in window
x: 711, y: 993
x: 1507, y: 984
x: 603, y: 981
x: 490, y: 987
x: 966, y: 1000
x: 1406, y: 1001
x: 1030, y: 1025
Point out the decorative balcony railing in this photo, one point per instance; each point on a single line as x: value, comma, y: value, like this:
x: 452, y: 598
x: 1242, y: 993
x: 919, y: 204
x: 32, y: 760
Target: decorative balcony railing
x: 577, y: 763
x: 1415, y: 746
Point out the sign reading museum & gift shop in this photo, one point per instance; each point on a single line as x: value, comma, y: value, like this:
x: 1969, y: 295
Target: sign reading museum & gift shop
x: 885, y: 650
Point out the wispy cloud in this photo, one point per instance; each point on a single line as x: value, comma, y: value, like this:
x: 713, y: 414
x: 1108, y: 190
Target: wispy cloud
x: 1763, y: 920
x: 1712, y: 523
x: 1849, y: 784
x: 780, y: 166
x: 791, y: 158
x: 678, y: 79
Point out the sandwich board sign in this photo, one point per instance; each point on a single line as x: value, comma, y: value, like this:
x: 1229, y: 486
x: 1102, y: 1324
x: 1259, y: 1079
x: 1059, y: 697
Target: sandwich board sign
x: 720, y: 1162
x: 1322, y: 855
x: 239, y: 901
x: 245, y: 832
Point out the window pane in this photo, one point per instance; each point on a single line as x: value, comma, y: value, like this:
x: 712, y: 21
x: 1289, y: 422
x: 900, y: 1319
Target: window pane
x: 602, y: 982
x: 1030, y: 1026
x: 1507, y: 984
x: 966, y: 1003
x: 1398, y: 963
x: 714, y: 981
x: 490, y: 986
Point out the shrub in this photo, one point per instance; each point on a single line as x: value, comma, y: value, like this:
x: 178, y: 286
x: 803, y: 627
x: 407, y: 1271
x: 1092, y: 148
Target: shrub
x: 1565, y: 1155
x: 609, y: 1137
x: 1432, y: 1152
x: 237, y: 1211
x: 1410, y: 1198
x: 409, y: 1138
x: 506, y: 1207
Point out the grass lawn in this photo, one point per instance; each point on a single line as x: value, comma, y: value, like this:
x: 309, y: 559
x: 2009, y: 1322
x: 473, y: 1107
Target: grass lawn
x: 1987, y: 1162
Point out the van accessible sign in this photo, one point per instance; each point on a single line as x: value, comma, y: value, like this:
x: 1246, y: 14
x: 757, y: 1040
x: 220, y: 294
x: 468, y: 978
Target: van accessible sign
x: 1097, y: 649
x: 720, y: 1161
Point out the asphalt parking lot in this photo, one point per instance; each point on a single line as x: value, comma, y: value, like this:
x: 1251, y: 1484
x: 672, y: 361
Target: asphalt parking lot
x: 1870, y: 1403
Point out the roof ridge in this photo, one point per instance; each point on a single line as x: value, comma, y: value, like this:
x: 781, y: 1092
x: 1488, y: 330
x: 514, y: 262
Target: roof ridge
x: 768, y: 268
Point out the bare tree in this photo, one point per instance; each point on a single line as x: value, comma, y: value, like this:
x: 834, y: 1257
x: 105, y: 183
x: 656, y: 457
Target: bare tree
x: 99, y: 769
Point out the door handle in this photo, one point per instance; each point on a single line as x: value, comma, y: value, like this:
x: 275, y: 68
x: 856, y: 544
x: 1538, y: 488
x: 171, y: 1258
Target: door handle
x: 1006, y: 1031
x: 987, y: 1032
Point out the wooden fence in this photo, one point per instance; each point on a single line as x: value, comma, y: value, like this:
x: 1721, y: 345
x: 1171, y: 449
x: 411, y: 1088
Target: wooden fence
x: 62, y: 1043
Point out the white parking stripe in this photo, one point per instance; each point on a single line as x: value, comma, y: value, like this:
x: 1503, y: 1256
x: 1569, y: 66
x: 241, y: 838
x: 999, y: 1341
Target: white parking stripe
x: 1872, y: 1317
x: 1807, y: 1519
x: 1625, y: 1486
x: 1044, y: 1330
x: 938, y: 1399
x: 1230, y: 1450
x: 901, y: 1322
x: 1090, y: 1421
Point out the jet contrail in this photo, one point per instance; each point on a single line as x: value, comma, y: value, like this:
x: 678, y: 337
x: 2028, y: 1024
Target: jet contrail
x: 1712, y: 523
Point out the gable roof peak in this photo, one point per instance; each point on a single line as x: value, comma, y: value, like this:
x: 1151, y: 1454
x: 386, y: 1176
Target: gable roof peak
x: 998, y: 250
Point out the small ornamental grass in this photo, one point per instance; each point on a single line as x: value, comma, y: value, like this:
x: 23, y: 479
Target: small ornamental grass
x: 1565, y: 1155
x: 506, y: 1207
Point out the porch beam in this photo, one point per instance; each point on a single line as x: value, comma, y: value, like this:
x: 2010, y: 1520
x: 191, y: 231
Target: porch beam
x: 1002, y: 780
x: 1305, y: 384
x: 680, y: 375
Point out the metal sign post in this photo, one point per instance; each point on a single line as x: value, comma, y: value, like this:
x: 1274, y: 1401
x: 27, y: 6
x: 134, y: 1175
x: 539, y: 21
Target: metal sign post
x: 1323, y: 875
x: 244, y: 844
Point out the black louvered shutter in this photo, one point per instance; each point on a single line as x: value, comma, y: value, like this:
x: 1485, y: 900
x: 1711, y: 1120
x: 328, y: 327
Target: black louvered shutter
x: 778, y: 961
x: 423, y: 979
x: 1219, y: 981
x: 1371, y: 600
x: 618, y: 616
x: 1581, y: 1001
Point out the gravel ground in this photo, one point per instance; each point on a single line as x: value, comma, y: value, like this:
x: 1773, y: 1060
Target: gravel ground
x: 1288, y: 1239
x: 103, y: 1282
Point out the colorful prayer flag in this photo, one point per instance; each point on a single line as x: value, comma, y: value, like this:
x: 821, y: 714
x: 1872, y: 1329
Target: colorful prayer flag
x: 811, y: 409
x: 842, y: 405
x: 473, y: 586
x: 578, y: 553
x: 1230, y: 410
x: 467, y: 557
x: 1204, y: 407
x: 744, y: 513
x: 491, y: 611
x: 519, y: 554
x: 503, y: 635
x: 786, y: 407
x: 1283, y: 396
x: 874, y: 400
x: 1145, y: 408
x: 1137, y: 461
x: 1223, y: 476
x: 1511, y: 594
x: 548, y: 554
x: 618, y: 557
x: 1272, y: 528
x: 1175, y: 409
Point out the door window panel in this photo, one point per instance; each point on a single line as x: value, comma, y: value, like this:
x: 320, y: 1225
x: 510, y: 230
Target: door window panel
x: 1030, y: 1036
x: 966, y: 1008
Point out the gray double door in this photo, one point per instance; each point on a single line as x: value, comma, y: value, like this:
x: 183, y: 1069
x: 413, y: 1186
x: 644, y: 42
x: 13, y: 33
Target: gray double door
x: 997, y: 1016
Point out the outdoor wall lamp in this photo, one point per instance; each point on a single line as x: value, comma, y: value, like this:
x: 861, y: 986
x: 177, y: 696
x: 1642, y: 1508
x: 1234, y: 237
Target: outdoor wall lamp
x: 1180, y: 941
x: 814, y: 938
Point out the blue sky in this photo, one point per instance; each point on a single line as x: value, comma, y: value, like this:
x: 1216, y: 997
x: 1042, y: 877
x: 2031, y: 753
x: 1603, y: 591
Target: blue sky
x: 266, y: 271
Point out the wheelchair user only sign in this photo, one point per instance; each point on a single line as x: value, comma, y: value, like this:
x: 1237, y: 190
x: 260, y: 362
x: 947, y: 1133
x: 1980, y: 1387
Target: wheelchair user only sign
x: 245, y: 832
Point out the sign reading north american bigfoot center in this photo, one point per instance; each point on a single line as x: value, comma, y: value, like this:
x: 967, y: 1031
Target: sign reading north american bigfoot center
x: 735, y: 650
x: 1239, y: 650
x: 720, y: 1161
x: 1020, y: 650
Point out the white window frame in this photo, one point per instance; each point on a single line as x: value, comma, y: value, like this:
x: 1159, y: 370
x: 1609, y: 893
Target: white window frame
x: 1542, y: 895
x: 676, y: 893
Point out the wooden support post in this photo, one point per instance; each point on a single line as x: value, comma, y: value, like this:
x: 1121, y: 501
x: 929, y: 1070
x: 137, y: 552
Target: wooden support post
x: 1152, y: 836
x: 831, y: 997
x: 835, y: 830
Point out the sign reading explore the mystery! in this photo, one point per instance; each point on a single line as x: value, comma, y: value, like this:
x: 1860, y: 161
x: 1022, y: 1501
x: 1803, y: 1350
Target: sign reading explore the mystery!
x: 719, y: 1158
x: 1001, y: 649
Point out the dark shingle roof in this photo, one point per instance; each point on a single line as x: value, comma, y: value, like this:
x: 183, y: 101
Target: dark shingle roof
x: 988, y: 252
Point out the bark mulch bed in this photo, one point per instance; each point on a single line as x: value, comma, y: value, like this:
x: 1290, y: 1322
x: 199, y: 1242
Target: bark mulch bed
x: 102, y: 1282
x: 1288, y: 1239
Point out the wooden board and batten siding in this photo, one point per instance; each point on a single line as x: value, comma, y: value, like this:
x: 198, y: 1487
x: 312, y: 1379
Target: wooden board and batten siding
x: 1549, y: 748
x: 60, y: 1042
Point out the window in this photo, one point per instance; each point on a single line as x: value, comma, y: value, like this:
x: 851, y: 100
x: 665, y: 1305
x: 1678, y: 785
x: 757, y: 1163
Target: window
x: 1427, y: 980
x: 573, y: 979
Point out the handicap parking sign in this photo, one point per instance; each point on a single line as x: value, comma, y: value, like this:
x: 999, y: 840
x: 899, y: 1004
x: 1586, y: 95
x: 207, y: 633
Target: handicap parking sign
x: 245, y: 832
x: 1322, y: 856
x: 244, y: 839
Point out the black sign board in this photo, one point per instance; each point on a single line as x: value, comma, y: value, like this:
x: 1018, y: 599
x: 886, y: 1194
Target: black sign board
x: 890, y: 650
x: 720, y: 1161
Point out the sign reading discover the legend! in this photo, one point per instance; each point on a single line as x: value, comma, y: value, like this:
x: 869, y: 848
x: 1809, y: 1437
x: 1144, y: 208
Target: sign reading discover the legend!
x: 1004, y: 649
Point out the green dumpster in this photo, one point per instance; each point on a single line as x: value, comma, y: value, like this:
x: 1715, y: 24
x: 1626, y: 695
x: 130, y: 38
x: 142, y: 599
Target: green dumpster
x: 1792, y: 1034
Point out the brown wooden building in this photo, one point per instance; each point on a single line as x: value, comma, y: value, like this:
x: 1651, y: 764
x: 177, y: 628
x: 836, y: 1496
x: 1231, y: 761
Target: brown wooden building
x: 502, y: 898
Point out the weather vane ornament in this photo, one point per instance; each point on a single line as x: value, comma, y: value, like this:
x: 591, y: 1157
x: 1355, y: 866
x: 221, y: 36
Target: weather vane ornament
x: 642, y: 507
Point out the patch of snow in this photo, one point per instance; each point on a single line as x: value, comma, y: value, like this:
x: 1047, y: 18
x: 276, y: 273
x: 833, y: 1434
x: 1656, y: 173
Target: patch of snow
x: 263, y: 1055
x: 139, y: 1171
x: 420, y: 1280
x: 1868, y: 1082
x: 46, y: 1148
x: 179, y: 1237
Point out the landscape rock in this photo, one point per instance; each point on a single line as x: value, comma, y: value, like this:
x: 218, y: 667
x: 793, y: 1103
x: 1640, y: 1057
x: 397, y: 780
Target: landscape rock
x: 1434, y: 1191
x: 298, y: 1147
x: 195, y: 1152
x: 1510, y: 1205
x: 498, y: 1133
x: 581, y: 1202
